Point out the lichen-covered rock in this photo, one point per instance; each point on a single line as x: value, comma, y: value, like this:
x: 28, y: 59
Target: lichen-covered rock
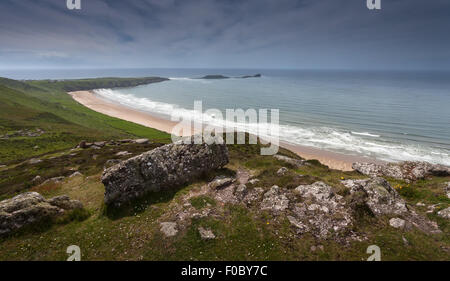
x: 289, y: 160
x: 220, y: 181
x: 380, y: 197
x: 161, y: 168
x: 206, y: 234
x: 397, y: 223
x: 30, y: 207
x: 275, y: 200
x: 169, y: 228
x: 447, y: 189
x: 444, y: 213
x: 408, y: 170
x: 282, y: 171
x: 321, y: 211
x: 64, y: 202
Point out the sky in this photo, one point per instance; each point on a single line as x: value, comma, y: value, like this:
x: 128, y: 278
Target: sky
x: 300, y: 34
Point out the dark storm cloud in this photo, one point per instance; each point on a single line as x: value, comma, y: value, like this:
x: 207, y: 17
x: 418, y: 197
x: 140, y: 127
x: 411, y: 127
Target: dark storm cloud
x: 217, y: 33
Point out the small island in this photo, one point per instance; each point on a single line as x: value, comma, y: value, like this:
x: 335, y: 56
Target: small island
x: 218, y: 76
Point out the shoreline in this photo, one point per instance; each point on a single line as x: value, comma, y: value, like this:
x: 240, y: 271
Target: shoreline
x: 333, y: 160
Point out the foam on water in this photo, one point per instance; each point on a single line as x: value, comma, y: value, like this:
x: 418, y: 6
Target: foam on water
x: 323, y: 137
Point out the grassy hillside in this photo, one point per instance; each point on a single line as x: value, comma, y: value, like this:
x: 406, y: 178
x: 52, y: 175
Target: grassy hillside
x: 133, y: 233
x: 45, y: 105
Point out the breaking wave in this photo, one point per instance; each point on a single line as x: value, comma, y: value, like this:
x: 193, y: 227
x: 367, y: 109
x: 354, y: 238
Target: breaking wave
x: 332, y: 139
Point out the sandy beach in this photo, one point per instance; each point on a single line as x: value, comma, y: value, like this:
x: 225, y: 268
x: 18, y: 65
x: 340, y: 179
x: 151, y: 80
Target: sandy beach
x: 331, y: 159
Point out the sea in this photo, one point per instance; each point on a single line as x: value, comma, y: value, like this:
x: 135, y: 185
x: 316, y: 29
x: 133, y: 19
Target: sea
x: 386, y: 115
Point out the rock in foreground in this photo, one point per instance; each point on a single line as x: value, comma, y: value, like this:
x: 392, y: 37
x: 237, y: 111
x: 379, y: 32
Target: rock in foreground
x: 30, y: 207
x: 162, y: 168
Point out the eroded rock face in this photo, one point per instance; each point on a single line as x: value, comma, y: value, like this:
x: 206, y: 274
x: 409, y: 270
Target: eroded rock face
x: 31, y: 207
x: 409, y: 170
x: 161, y: 168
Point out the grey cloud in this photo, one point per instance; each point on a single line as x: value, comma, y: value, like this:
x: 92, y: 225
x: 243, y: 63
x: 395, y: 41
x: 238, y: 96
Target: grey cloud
x: 219, y: 33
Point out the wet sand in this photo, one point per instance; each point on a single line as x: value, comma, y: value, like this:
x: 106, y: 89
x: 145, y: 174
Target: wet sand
x: 331, y: 159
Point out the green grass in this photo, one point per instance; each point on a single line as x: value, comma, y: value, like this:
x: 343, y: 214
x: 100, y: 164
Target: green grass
x: 46, y: 105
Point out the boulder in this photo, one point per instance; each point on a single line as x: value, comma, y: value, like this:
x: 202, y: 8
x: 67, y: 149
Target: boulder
x: 141, y: 141
x: 162, y: 168
x: 408, y: 170
x: 282, y: 171
x: 122, y: 153
x: 294, y: 162
x: 30, y: 207
x: 397, y: 223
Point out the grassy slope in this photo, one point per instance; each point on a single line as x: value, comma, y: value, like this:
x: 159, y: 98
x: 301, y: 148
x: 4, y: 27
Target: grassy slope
x: 134, y: 233
x: 242, y: 234
x: 46, y: 105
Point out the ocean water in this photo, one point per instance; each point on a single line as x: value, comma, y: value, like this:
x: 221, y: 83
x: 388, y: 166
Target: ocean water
x: 390, y: 116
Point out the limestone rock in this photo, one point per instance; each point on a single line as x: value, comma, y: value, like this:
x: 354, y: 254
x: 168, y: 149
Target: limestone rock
x: 64, y: 202
x: 206, y: 234
x: 122, y: 153
x: 110, y: 163
x: 408, y: 170
x: 397, y: 223
x: 169, y: 228
x: 141, y: 141
x: 380, y: 197
x: 162, y: 168
x: 76, y: 174
x: 220, y: 181
x: 289, y: 160
x: 34, y: 161
x: 275, y: 200
x: 30, y: 207
x: 322, y: 212
x: 444, y: 213
x: 282, y: 171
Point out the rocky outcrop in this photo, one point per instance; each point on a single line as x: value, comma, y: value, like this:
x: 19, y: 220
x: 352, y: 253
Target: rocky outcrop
x: 383, y: 200
x: 294, y: 162
x: 321, y: 211
x: 378, y: 195
x: 408, y: 170
x: 31, y: 207
x: 162, y: 168
x: 275, y: 200
x: 24, y: 133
